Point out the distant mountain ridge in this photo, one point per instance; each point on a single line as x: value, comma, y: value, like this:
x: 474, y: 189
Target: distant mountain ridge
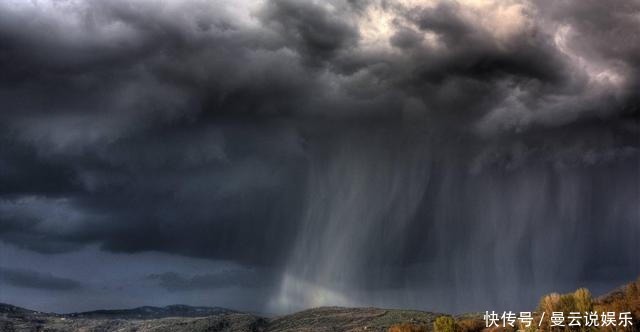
x: 151, y: 312
x: 144, y: 312
x: 11, y: 309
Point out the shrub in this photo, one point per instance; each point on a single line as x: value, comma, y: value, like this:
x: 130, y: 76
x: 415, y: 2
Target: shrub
x: 550, y: 303
x: 407, y: 327
x: 578, y: 301
x: 444, y: 324
x: 583, y: 300
x: 471, y: 325
x: 567, y: 303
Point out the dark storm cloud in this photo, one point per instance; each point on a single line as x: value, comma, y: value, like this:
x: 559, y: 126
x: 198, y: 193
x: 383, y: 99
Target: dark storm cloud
x: 604, y: 31
x: 471, y: 52
x: 310, y: 29
x: 155, y: 65
x: 32, y: 279
x: 528, y: 76
x: 121, y: 107
x: 22, y: 171
x: 223, y: 129
x: 227, y: 278
x: 46, y: 225
x: 172, y: 192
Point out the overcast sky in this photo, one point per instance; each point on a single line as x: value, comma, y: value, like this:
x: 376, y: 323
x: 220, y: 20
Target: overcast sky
x: 276, y: 155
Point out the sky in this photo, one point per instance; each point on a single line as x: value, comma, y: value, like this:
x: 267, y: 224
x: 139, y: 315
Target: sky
x: 276, y: 155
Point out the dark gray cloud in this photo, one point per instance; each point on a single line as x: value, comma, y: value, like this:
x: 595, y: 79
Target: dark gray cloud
x: 243, y: 278
x: 310, y: 29
x: 347, y: 147
x: 32, y: 279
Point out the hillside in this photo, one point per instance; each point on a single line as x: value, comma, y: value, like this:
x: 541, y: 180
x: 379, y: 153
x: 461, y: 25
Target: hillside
x: 180, y: 318
x: 348, y: 319
x: 221, y: 320
x: 149, y: 312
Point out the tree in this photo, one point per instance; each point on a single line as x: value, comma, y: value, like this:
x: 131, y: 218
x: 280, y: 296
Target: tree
x: 583, y: 300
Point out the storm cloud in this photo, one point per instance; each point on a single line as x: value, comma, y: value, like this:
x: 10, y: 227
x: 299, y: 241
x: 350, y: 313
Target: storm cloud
x: 244, y: 278
x: 31, y: 279
x: 376, y: 153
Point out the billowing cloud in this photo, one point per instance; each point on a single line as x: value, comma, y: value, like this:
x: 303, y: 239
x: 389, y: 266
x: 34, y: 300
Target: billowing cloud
x: 355, y: 149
